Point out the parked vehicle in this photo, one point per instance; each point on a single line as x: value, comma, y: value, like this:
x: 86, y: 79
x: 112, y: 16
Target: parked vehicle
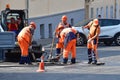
x: 110, y: 31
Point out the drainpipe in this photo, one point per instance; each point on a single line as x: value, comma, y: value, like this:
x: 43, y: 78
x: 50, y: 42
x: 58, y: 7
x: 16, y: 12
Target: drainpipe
x: 115, y: 5
x: 86, y: 9
x: 27, y: 8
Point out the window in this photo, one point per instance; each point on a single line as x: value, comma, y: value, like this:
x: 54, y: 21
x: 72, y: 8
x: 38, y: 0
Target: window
x: 97, y: 12
x: 102, y: 12
x: 108, y: 22
x: 106, y: 11
x: 72, y: 22
x: 42, y: 31
x: 50, y: 30
x: 92, y: 12
x: 111, y: 12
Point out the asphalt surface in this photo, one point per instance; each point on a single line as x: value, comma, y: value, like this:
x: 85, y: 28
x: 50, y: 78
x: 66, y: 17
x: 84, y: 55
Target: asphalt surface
x: 79, y: 71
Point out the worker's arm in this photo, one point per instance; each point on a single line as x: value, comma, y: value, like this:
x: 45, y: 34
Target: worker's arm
x: 31, y: 35
x: 88, y: 25
x: 96, y: 35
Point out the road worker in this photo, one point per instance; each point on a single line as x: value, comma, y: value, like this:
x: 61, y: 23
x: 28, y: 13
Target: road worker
x: 69, y: 39
x: 24, y: 40
x: 59, y: 45
x: 63, y: 24
x: 92, y: 43
x: 12, y: 26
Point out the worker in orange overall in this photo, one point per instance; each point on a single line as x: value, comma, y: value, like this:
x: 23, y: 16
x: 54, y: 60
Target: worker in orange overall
x: 64, y: 24
x: 69, y: 39
x: 59, y: 45
x: 24, y: 40
x: 92, y: 43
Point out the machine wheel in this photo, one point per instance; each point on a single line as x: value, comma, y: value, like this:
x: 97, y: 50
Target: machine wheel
x: 117, y: 39
x: 80, y: 40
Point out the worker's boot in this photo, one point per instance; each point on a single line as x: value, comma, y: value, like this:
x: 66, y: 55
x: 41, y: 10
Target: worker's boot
x: 28, y: 61
x: 65, y: 60
x: 57, y: 57
x: 89, y: 56
x: 22, y: 60
x: 73, y: 61
x: 94, y: 58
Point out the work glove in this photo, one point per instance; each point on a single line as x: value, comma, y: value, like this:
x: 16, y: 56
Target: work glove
x: 89, y: 40
x: 30, y: 47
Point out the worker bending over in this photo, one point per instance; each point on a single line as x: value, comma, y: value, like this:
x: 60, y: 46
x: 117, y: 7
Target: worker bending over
x: 69, y: 39
x: 24, y: 40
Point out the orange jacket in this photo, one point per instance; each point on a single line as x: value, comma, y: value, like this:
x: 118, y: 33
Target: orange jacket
x: 57, y: 31
x: 12, y: 27
x: 65, y: 32
x: 65, y: 25
x: 67, y: 35
x: 93, y: 30
x: 25, y: 34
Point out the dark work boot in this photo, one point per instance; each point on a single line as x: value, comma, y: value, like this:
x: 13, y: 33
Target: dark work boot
x: 89, y: 56
x: 94, y: 58
x: 22, y: 60
x: 90, y: 61
x: 94, y: 62
x: 73, y: 61
x: 28, y: 61
x: 65, y: 60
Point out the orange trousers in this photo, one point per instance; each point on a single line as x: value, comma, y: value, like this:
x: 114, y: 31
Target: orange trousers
x: 71, y: 47
x: 24, y: 47
x: 93, y: 45
x: 59, y: 45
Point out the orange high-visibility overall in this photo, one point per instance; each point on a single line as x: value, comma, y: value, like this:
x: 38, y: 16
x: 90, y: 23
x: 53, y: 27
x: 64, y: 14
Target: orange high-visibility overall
x: 24, y: 40
x: 69, y: 40
x: 94, y: 31
x: 93, y: 44
x: 59, y: 45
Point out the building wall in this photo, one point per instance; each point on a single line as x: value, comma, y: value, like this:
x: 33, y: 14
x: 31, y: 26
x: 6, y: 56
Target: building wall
x: 14, y: 4
x: 76, y: 15
x: 47, y: 13
x: 48, y: 7
x: 39, y: 8
x: 104, y: 8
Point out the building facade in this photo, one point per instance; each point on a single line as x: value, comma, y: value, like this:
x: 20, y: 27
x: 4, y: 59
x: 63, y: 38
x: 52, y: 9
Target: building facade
x: 47, y: 13
x: 105, y: 8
